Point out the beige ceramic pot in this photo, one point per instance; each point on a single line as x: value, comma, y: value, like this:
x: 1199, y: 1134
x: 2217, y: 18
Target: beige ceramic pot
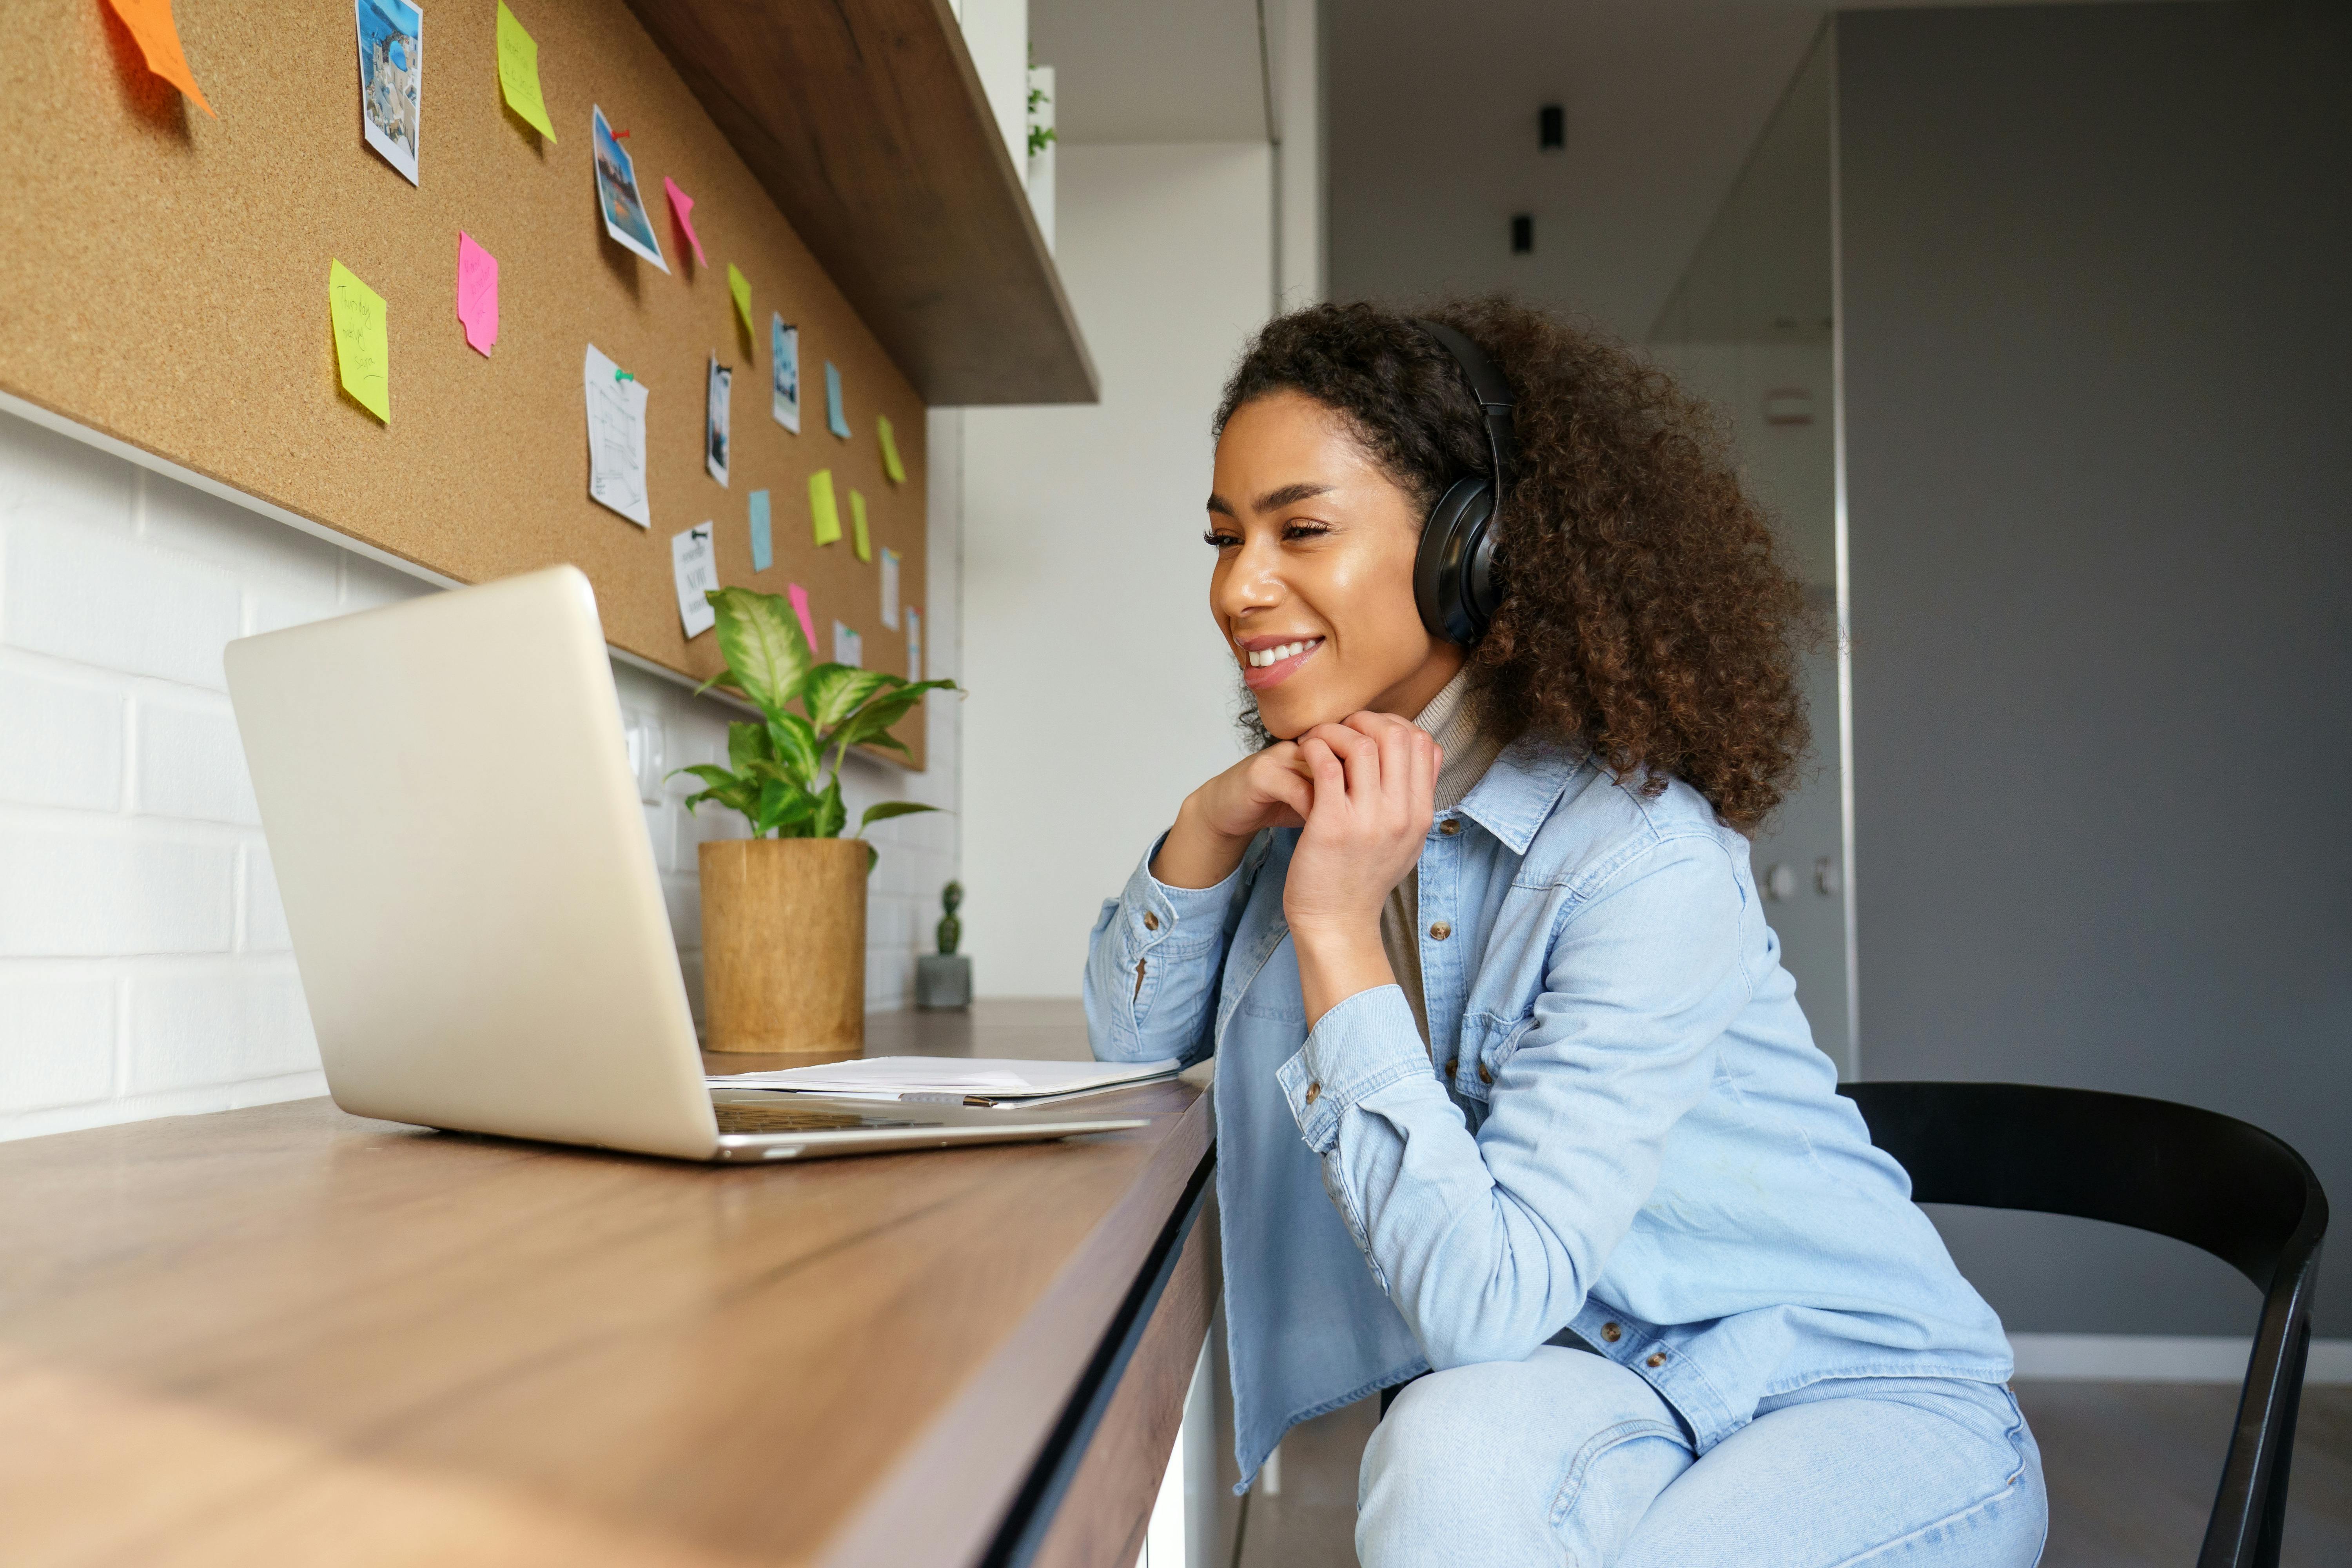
x: 783, y: 944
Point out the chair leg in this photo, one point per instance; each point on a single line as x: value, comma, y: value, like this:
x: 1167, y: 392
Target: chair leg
x: 2273, y: 1526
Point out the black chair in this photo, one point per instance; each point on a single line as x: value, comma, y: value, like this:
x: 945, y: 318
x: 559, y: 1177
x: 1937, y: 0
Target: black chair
x: 2195, y: 1175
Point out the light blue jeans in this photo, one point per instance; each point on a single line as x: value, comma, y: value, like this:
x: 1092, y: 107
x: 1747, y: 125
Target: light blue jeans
x: 1567, y: 1459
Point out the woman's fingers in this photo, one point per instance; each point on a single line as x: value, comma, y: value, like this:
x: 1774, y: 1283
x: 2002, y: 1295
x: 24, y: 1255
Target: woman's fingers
x: 1330, y: 785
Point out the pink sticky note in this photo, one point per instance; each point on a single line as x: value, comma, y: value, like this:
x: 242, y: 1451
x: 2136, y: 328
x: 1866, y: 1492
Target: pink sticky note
x: 682, y: 204
x: 477, y: 292
x: 799, y: 608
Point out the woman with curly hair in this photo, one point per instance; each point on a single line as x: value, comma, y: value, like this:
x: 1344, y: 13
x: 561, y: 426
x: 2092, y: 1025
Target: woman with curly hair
x: 1517, y: 1110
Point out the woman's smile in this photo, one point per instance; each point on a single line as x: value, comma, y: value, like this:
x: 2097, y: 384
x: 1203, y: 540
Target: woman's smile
x: 1272, y: 660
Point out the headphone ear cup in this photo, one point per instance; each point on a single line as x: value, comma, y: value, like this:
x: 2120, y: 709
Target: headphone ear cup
x: 1454, y: 579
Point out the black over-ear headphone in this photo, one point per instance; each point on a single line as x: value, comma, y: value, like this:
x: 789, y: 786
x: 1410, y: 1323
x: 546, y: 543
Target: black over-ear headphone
x: 1456, y: 581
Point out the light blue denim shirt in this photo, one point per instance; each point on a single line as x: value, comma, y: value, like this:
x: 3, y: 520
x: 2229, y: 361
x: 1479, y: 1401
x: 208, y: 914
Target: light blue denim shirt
x: 1626, y: 1128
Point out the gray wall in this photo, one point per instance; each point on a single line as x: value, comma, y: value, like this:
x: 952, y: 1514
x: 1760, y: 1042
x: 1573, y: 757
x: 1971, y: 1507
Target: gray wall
x: 2099, y: 369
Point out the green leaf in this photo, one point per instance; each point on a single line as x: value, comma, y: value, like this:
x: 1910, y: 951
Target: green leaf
x: 831, y: 815
x: 835, y: 691
x: 889, y: 808
x: 872, y: 859
x: 761, y: 638
x: 865, y: 727
x: 793, y: 739
x: 724, y: 678
x: 747, y: 744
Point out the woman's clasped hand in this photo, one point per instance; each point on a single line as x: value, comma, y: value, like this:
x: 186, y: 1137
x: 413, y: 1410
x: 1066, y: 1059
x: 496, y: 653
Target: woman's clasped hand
x: 1361, y: 792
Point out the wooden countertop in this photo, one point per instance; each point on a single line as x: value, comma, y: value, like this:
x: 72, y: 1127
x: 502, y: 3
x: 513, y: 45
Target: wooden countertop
x: 287, y: 1335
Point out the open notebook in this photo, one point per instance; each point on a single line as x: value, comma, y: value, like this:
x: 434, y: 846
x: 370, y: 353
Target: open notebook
x: 953, y: 1081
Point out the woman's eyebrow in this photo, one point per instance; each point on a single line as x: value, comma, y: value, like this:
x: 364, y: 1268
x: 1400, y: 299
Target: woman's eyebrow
x: 1288, y: 495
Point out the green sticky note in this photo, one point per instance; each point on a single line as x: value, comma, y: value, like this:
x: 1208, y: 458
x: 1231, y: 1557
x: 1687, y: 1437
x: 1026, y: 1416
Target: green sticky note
x: 519, y: 72
x: 823, y: 512
x: 890, y: 464
x: 362, y: 350
x: 741, y: 287
x: 858, y: 537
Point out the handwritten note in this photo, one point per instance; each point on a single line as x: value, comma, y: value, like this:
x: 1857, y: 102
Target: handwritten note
x: 835, y: 419
x: 799, y: 596
x: 857, y: 536
x: 362, y: 350
x: 848, y: 646
x: 695, y: 563
x: 477, y: 293
x: 682, y: 204
x: 914, y: 643
x: 617, y: 438
x: 764, y: 542
x: 158, y: 38
x: 519, y: 73
x: 825, y: 512
x: 890, y: 464
x: 890, y: 588
x: 741, y: 287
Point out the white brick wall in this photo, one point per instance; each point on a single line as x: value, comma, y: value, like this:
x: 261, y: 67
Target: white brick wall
x: 144, y: 963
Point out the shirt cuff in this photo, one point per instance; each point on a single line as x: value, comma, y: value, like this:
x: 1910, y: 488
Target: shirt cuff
x: 1356, y: 1049
x: 1154, y: 913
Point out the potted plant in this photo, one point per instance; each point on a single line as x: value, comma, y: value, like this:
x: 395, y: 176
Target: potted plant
x: 783, y: 911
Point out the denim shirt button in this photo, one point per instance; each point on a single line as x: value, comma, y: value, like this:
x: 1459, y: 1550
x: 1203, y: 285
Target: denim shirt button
x: 1611, y: 1332
x: 1439, y: 931
x: 1450, y: 826
x: 1314, y: 1092
x: 1485, y: 1073
x: 1151, y: 921
x: 1657, y: 1360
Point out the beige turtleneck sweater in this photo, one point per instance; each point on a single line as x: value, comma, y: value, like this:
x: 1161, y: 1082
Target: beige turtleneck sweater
x: 1468, y: 755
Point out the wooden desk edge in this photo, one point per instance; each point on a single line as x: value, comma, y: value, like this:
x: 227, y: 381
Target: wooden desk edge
x: 947, y: 1499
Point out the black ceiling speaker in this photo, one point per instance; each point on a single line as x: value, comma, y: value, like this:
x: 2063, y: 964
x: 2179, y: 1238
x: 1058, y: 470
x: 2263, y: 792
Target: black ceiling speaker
x: 1551, y: 127
x: 1523, y: 233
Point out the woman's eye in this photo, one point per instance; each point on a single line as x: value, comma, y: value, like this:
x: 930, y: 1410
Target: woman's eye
x: 1219, y: 541
x: 1296, y: 531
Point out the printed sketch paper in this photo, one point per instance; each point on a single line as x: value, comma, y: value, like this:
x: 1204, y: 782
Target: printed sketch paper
x: 617, y: 438
x: 694, y: 563
x: 616, y: 192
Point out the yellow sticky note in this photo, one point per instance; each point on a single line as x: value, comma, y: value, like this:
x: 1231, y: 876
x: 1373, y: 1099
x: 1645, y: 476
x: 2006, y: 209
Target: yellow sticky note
x: 890, y: 464
x: 741, y: 287
x: 158, y: 38
x: 823, y: 511
x: 362, y: 350
x: 519, y: 72
x: 858, y: 538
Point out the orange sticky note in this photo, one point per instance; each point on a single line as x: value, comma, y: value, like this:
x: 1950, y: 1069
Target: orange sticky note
x: 158, y: 38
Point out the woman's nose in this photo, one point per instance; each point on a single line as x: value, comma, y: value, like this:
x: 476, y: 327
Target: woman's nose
x: 1252, y: 580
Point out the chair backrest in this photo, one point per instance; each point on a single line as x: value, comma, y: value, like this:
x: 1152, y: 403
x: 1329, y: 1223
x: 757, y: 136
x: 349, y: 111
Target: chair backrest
x: 2196, y: 1175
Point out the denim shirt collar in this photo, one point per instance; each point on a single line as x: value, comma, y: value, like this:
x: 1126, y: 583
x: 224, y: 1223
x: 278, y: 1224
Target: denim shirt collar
x: 1520, y: 790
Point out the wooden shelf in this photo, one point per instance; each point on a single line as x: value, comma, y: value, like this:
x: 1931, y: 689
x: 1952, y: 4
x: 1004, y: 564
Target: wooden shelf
x: 866, y: 122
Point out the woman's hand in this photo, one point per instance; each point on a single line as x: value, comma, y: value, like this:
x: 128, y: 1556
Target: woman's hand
x: 1217, y: 821
x: 1374, y: 784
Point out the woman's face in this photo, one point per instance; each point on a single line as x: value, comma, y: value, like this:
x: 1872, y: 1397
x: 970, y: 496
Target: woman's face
x: 1313, y: 587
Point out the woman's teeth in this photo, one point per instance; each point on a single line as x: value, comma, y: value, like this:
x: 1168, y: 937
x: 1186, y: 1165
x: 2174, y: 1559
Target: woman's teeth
x: 1270, y: 656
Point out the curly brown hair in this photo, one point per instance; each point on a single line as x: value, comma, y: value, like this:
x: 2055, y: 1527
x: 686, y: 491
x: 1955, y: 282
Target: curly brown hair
x: 1647, y: 614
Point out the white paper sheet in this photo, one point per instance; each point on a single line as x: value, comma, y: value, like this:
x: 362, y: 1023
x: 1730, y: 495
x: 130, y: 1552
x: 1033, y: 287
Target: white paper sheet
x: 889, y: 587
x: 990, y: 1078
x: 848, y: 646
x: 617, y: 438
x: 696, y: 565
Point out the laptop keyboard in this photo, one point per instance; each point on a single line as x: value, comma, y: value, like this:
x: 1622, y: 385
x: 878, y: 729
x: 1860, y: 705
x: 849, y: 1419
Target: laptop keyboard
x: 735, y: 1116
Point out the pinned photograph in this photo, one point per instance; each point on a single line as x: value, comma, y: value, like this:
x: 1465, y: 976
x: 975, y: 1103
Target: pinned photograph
x: 784, y: 366
x: 392, y: 70
x: 693, y: 561
x: 616, y: 192
x: 715, y: 442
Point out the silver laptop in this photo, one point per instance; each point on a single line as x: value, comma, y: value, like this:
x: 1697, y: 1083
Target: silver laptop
x: 472, y: 894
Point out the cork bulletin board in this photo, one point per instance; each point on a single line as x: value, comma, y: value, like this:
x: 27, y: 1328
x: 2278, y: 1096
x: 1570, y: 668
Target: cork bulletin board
x: 163, y: 282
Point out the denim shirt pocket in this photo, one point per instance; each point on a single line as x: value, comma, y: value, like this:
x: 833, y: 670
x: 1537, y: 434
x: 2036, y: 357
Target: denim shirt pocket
x: 1487, y: 1042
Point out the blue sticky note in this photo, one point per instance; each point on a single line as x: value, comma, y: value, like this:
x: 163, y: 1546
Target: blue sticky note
x: 835, y: 419
x: 764, y: 548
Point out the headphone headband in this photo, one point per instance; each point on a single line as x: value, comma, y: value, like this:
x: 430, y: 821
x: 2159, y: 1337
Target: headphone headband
x: 1488, y: 385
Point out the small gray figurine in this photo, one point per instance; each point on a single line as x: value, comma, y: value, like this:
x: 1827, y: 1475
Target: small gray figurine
x: 943, y: 979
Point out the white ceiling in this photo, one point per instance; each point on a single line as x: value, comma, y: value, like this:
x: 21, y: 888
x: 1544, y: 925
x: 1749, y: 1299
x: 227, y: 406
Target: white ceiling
x: 1430, y: 109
